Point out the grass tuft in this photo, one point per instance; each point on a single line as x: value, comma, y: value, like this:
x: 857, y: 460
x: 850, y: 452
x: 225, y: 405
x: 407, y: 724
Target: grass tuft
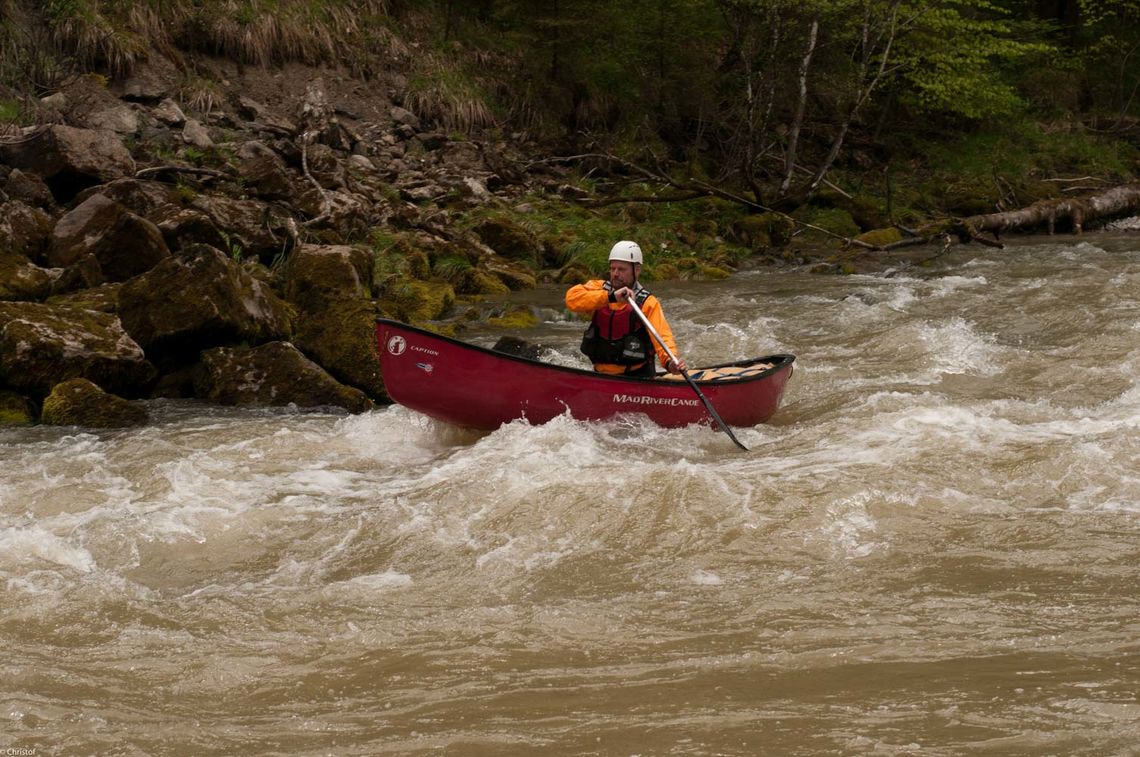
x: 93, y: 39
x: 443, y: 95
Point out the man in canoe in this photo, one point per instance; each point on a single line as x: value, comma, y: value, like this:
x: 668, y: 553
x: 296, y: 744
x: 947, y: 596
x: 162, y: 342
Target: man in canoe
x: 616, y: 340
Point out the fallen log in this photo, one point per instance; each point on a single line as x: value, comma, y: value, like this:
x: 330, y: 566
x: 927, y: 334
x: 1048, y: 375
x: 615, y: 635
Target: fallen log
x: 1112, y: 203
x: 1075, y: 211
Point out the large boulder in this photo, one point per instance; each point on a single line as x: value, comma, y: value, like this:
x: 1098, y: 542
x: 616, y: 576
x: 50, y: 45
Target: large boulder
x: 515, y: 276
x: 762, y: 230
x: 169, y: 113
x: 183, y: 227
x: 138, y: 195
x: 79, y: 402
x: 248, y: 224
x: 417, y: 301
x: 24, y: 229
x: 28, y: 188
x: 319, y: 274
x: 342, y: 338
x: 273, y: 374
x: 335, y: 324
x: 121, y: 119
x: 70, y: 159
x: 198, y: 299
x: 104, y: 298
x: 42, y: 345
x: 123, y: 243
x: 264, y: 172
x: 509, y: 239
x: 21, y: 279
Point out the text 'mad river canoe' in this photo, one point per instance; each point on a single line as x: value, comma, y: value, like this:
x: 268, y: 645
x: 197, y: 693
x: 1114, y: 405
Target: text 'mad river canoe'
x: 481, y: 388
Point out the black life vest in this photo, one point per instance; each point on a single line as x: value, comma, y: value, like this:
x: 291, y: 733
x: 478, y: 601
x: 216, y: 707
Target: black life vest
x: 618, y: 336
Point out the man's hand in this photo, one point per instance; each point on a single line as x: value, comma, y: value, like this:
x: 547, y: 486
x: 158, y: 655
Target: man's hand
x: 676, y: 366
x: 623, y: 294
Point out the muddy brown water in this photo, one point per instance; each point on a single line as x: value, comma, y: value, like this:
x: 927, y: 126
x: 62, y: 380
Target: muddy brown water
x: 932, y: 549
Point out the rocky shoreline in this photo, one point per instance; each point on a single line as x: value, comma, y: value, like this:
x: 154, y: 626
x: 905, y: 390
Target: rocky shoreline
x: 149, y: 252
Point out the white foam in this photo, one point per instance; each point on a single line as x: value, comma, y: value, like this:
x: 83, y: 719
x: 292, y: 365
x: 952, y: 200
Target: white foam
x: 850, y: 528
x: 947, y: 285
x: 20, y: 545
x: 705, y: 578
x: 955, y: 346
x: 389, y: 579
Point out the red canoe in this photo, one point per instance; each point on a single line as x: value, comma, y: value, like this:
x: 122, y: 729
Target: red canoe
x: 480, y: 388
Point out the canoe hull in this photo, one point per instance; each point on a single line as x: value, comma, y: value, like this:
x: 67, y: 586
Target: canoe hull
x: 480, y: 388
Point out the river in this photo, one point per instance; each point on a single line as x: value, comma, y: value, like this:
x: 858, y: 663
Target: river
x: 933, y: 548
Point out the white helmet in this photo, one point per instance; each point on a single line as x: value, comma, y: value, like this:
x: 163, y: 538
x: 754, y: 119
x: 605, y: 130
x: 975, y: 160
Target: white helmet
x: 628, y: 252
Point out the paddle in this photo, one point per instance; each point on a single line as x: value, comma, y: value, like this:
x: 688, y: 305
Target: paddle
x: 708, y: 405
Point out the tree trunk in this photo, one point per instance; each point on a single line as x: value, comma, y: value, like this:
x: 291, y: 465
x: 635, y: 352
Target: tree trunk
x: 801, y: 107
x: 1047, y: 213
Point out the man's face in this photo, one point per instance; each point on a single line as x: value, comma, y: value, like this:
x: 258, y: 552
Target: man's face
x: 623, y: 274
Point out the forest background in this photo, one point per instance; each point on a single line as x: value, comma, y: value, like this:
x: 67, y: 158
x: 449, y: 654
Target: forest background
x: 848, y: 116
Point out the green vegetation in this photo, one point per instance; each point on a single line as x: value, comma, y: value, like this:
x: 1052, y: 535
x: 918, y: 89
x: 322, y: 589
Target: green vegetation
x: 445, y: 95
x: 10, y: 111
x: 848, y: 115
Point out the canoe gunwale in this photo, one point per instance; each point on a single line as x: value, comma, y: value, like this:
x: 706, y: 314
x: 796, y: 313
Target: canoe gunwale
x: 779, y: 361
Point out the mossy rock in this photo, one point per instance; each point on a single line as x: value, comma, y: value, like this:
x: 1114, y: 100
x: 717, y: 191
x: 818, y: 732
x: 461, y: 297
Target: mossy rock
x: 867, y: 212
x: 713, y: 272
x: 400, y: 255
x: 443, y: 328
x: 320, y: 274
x: 21, y: 279
x: 16, y: 409
x: 509, y: 239
x: 484, y: 283
x: 762, y: 230
x: 198, y: 299
x: 880, y: 237
x: 451, y: 268
x: 42, y: 345
x: 573, y: 273
x: 751, y: 232
x: 78, y: 402
x: 514, y: 276
x: 836, y: 221
x: 339, y: 337
x: 520, y: 317
x: 698, y: 268
x: 416, y: 301
x: 103, y: 299
x: 274, y: 374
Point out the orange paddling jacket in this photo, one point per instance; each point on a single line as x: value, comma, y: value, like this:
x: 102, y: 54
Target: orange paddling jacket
x: 593, y: 299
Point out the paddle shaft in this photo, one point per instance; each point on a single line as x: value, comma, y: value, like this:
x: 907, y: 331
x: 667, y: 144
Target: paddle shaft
x: 708, y: 405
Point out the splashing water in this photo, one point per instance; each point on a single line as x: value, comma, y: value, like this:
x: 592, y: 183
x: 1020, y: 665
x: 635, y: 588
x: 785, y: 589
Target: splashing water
x: 932, y: 549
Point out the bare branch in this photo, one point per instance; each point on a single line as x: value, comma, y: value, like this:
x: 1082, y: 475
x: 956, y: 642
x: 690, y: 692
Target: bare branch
x: 194, y: 170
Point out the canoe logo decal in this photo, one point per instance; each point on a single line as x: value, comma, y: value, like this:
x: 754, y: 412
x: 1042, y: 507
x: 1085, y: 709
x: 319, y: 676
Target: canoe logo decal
x: 397, y: 345
x: 425, y: 367
x: 640, y: 399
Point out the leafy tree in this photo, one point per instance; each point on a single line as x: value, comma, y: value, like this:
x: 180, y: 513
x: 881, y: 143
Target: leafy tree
x: 1109, y: 34
x: 958, y: 58
x: 810, y: 70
